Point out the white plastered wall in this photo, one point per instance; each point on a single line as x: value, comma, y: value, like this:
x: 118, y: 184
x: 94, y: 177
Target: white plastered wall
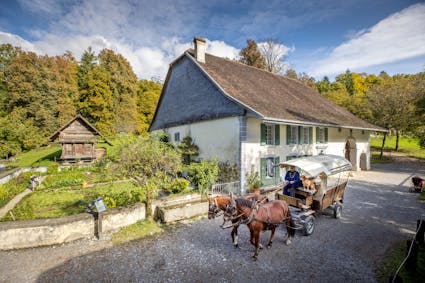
x: 216, y: 139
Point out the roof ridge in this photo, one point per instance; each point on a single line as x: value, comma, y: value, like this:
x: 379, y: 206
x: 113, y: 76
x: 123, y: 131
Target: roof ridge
x: 245, y: 65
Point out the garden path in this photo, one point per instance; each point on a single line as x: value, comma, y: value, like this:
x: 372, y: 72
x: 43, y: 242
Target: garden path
x: 11, y: 204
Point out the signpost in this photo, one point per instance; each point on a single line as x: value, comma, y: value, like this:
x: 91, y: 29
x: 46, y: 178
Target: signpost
x: 100, y: 207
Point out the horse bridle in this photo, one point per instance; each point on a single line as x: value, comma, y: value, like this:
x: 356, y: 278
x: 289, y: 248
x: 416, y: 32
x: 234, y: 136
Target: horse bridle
x: 213, y: 209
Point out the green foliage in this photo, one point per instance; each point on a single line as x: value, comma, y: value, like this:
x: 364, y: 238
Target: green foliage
x: 188, y: 149
x: 227, y: 172
x: 14, y: 187
x: 251, y: 56
x: 178, y: 185
x: 64, y: 202
x: 148, y: 94
x: 39, y: 157
x: 203, y: 175
x: 407, y: 144
x: 253, y: 180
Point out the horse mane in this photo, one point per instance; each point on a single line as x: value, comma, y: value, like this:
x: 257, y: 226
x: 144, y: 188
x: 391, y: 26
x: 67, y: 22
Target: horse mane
x: 243, y: 202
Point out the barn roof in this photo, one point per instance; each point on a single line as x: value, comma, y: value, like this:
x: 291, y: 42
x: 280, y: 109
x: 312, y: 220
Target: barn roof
x: 276, y: 98
x: 87, y: 123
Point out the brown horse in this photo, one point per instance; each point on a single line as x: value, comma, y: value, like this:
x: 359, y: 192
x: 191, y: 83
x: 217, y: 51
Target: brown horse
x: 219, y: 203
x: 261, y: 217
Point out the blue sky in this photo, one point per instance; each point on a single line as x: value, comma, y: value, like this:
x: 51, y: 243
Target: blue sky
x: 320, y: 38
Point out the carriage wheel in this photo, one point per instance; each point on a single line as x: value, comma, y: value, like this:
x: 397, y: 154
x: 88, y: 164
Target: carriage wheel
x: 308, y: 226
x: 337, y: 210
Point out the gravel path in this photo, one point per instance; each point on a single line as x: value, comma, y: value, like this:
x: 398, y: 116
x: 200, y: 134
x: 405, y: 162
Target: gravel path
x: 378, y: 211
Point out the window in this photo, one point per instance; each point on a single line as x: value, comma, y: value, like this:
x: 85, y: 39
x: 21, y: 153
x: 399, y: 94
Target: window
x: 270, y: 173
x: 270, y: 134
x: 321, y: 135
x: 177, y: 137
x: 291, y: 134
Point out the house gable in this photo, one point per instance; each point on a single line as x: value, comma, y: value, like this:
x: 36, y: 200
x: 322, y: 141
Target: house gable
x: 190, y: 96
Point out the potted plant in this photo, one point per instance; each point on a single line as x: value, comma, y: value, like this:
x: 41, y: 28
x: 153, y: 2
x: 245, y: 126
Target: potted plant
x: 253, y: 181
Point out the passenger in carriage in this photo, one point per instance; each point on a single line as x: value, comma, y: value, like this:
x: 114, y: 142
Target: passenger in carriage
x: 292, y: 181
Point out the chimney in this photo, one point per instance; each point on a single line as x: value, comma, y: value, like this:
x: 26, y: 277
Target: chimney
x: 200, y: 45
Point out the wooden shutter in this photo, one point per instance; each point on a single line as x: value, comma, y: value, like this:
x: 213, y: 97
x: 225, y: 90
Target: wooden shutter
x: 263, y: 134
x: 263, y: 170
x: 300, y: 130
x: 326, y: 135
x: 310, y: 135
x: 317, y: 135
x: 277, y: 170
x: 288, y: 134
x: 277, y: 134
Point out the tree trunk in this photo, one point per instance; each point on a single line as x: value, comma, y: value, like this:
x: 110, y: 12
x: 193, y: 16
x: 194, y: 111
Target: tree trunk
x: 396, y: 139
x: 383, y: 144
x: 149, y: 196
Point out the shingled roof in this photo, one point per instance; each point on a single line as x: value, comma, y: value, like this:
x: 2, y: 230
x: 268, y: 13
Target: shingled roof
x: 276, y: 98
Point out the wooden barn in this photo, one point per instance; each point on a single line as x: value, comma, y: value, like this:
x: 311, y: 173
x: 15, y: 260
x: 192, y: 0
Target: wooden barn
x: 78, y: 138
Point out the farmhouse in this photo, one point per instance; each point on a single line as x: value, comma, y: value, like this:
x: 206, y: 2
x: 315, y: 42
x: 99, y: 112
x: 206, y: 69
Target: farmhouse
x: 78, y: 138
x: 254, y: 118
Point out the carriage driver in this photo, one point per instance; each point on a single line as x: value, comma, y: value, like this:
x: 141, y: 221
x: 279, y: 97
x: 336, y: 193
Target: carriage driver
x: 292, y: 181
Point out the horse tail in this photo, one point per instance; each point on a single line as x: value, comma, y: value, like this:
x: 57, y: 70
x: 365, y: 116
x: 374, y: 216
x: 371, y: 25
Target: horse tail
x: 291, y: 228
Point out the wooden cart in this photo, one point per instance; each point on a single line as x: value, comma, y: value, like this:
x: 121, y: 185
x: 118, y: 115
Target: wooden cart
x: 330, y: 174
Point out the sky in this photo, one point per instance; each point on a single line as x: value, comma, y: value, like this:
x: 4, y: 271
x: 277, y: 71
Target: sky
x: 319, y: 37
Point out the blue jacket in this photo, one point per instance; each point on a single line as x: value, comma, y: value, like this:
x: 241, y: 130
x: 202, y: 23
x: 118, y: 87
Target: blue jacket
x: 293, y: 177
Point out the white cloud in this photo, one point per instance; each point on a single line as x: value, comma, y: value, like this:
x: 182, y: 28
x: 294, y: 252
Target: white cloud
x: 42, y: 6
x: 397, y: 37
x: 147, y: 62
x: 221, y: 49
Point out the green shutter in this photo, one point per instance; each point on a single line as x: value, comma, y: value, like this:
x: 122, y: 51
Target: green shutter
x: 288, y: 134
x: 317, y: 135
x: 263, y: 170
x: 277, y: 170
x: 277, y: 134
x: 263, y: 134
x: 300, y: 130
x: 326, y: 135
x: 310, y: 135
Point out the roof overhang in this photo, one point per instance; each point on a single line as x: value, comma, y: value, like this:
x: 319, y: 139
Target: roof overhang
x: 320, y: 164
x: 313, y: 124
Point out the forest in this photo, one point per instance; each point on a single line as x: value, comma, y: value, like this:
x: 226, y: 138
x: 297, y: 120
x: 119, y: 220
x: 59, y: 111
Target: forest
x: 38, y: 94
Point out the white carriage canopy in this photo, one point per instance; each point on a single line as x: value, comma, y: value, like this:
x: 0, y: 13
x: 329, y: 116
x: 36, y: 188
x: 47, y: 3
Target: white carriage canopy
x: 315, y: 165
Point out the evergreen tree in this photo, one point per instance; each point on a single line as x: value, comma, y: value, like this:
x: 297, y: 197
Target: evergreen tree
x: 251, y: 55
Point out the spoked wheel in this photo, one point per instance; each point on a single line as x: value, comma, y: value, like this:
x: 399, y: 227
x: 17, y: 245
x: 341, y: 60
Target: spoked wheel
x: 308, y: 225
x: 337, y: 210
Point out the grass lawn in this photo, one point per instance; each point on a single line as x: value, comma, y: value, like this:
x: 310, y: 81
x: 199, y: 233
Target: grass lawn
x: 394, y: 258
x: 136, y: 231
x: 15, y: 186
x: 407, y: 145
x: 37, y: 157
x: 64, y: 202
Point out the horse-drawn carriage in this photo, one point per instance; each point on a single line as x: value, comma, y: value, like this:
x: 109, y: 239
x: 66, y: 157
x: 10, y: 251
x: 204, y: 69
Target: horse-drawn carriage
x: 329, y: 176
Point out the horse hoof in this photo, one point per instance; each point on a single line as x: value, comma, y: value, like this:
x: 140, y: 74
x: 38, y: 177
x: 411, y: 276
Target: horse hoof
x: 254, y: 257
x: 288, y: 242
x: 236, y: 246
x: 269, y: 246
x: 261, y: 246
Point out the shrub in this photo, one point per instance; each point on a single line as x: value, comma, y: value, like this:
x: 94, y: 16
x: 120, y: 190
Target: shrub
x: 179, y: 185
x: 202, y: 175
x: 253, y: 180
x: 227, y: 172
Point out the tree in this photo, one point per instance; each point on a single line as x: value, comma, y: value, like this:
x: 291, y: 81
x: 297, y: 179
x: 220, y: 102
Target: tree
x: 150, y: 162
x: 251, y: 55
x: 392, y: 105
x: 96, y: 102
x: 87, y: 63
x: 273, y: 54
x: 148, y: 94
x: 188, y: 149
x: 123, y: 84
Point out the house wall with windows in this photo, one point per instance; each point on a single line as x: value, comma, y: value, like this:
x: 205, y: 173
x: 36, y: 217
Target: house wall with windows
x: 266, y: 144
x: 215, y: 138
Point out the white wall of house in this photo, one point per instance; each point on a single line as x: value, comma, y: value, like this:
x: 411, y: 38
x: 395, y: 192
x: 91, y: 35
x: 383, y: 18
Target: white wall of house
x: 216, y: 138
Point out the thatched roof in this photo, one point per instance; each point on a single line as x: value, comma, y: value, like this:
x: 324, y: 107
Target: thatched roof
x: 276, y: 98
